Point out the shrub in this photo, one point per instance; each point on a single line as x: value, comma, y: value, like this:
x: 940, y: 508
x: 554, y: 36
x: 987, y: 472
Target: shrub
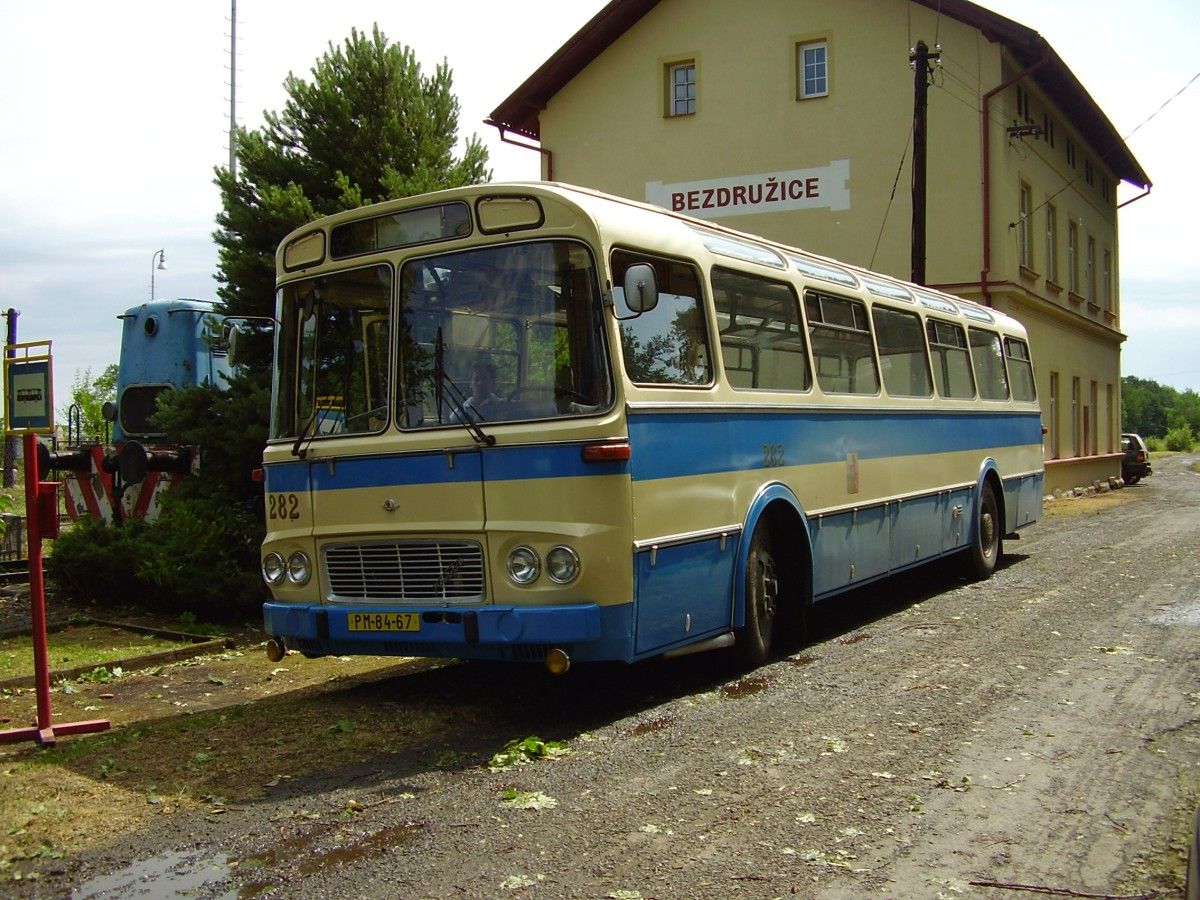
x: 200, y: 555
x: 97, y: 563
x: 1180, y: 438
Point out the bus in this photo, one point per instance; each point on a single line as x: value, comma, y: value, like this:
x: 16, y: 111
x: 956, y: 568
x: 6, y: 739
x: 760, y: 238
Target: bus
x: 533, y: 422
x: 166, y: 344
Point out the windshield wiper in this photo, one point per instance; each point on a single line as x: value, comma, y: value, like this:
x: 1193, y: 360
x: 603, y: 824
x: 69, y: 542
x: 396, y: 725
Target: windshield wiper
x: 304, y: 438
x: 447, y: 390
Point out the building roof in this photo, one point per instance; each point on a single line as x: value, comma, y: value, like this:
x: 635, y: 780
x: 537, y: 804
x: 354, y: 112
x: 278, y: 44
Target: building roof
x: 519, y: 113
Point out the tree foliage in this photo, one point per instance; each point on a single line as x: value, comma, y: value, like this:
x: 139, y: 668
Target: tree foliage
x: 1152, y: 409
x: 368, y: 126
x: 89, y: 395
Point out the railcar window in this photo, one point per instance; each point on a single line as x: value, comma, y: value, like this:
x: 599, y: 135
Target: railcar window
x: 951, y: 362
x: 669, y: 344
x: 843, y: 354
x: 761, y: 334
x: 988, y: 360
x: 902, y: 354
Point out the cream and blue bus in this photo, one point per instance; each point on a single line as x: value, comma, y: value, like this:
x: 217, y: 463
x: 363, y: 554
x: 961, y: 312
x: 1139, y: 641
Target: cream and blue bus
x: 532, y: 422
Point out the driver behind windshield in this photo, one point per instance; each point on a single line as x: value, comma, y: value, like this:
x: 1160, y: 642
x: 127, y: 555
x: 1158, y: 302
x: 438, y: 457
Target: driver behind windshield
x: 483, y: 402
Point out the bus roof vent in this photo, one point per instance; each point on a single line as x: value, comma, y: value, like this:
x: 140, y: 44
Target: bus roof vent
x: 939, y: 303
x: 823, y: 270
x: 977, y: 313
x: 748, y: 251
x: 889, y: 289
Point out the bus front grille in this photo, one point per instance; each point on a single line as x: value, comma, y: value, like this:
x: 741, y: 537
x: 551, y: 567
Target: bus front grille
x: 406, y: 571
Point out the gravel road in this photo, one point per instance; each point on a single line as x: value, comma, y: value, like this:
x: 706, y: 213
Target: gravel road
x: 1036, y: 733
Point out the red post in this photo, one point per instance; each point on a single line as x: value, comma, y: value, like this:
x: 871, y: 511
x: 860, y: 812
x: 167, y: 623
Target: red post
x: 36, y: 508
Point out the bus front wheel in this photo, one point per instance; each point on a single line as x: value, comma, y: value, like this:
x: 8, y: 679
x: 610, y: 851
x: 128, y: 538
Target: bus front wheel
x: 987, y: 547
x: 753, y: 640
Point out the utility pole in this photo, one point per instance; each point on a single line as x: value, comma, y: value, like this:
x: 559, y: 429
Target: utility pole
x: 233, y: 90
x: 919, y: 58
x: 10, y: 442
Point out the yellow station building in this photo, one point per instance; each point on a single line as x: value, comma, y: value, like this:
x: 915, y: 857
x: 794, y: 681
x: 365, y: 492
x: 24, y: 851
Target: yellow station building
x: 795, y: 121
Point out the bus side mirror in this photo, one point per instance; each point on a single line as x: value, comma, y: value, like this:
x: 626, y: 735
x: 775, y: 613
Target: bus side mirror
x: 641, y: 288
x: 230, y: 340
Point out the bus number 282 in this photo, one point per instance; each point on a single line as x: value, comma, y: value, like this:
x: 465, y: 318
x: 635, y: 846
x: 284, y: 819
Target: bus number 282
x: 283, y: 506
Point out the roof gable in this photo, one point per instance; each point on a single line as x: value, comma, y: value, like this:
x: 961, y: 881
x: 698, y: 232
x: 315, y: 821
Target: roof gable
x: 519, y: 113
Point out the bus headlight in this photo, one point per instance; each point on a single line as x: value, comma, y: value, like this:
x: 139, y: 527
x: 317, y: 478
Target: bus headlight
x: 272, y: 568
x: 523, y: 566
x: 562, y: 564
x: 298, y: 570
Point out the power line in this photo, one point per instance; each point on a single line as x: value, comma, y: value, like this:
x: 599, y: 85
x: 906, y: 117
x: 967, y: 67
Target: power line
x: 891, y: 199
x: 1161, y: 107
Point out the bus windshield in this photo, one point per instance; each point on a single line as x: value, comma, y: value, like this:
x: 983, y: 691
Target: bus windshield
x: 332, y: 376
x: 501, y: 334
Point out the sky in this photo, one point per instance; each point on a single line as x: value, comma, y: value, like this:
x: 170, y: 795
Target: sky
x: 115, y: 114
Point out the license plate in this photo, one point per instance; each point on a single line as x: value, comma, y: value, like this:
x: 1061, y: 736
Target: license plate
x: 383, y: 621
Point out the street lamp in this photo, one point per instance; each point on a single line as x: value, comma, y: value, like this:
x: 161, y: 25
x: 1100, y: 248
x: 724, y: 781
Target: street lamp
x: 162, y: 267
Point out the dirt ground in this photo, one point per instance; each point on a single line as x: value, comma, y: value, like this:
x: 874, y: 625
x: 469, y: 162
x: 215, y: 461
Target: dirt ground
x: 1036, y: 733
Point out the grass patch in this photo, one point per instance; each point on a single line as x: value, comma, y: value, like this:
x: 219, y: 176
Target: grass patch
x: 1087, y: 506
x: 80, y: 645
x: 166, y: 753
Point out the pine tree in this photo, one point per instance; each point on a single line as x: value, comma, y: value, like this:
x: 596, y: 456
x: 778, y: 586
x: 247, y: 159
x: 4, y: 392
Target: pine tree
x: 369, y: 126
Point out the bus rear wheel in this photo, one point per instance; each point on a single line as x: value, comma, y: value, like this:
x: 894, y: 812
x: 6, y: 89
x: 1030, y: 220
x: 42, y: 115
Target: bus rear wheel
x: 753, y: 640
x: 987, y: 547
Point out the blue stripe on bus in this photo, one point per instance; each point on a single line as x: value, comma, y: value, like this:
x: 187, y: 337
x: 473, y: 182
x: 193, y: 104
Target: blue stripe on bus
x: 674, y: 445
x: 499, y: 464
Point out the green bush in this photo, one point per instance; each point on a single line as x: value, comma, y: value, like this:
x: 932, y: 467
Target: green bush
x: 97, y: 563
x: 1156, y: 444
x: 1180, y: 438
x: 200, y: 555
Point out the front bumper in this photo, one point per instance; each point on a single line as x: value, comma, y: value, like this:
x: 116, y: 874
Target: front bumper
x: 586, y: 630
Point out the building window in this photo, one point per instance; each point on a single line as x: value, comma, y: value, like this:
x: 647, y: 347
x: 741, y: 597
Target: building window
x: 681, y: 88
x: 1070, y: 153
x: 1106, y: 189
x: 1051, y: 243
x: 1048, y: 129
x: 1090, y: 273
x: 1106, y: 281
x: 1111, y: 419
x: 1023, y: 106
x: 1025, y: 228
x: 812, y: 61
x: 1073, y: 257
x: 1089, y: 174
x: 1094, y: 412
x: 1054, y: 431
x: 1076, y: 400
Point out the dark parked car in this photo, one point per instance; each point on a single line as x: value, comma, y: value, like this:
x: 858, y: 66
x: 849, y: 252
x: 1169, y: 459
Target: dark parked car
x: 1136, y: 464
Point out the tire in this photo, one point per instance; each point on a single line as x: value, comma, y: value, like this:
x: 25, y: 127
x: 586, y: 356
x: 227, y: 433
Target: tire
x: 1133, y: 479
x: 753, y: 641
x: 988, y: 545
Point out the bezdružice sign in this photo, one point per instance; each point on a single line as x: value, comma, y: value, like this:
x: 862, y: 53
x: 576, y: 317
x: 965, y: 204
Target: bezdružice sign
x: 820, y: 188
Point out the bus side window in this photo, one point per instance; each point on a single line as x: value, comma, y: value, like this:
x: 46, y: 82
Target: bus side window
x: 951, y: 362
x: 762, y: 341
x: 669, y: 344
x: 843, y: 352
x: 902, y: 352
x: 1020, y: 369
x: 988, y: 360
